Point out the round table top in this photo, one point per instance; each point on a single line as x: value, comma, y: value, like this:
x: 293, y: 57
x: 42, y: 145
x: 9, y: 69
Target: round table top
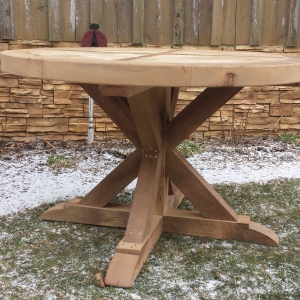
x: 153, y: 67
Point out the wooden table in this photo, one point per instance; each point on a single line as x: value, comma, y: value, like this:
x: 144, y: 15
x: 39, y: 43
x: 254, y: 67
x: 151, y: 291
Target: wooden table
x: 138, y: 88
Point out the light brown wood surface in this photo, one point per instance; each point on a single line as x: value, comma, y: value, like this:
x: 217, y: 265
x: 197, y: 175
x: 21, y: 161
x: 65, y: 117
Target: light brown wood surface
x: 146, y: 116
x: 153, y: 67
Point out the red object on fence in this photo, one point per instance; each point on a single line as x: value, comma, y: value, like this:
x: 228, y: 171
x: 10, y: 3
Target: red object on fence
x: 94, y: 38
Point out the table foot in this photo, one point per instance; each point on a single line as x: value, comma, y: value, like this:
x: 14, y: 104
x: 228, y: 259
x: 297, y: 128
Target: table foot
x: 115, y: 215
x: 129, y: 258
x: 192, y: 223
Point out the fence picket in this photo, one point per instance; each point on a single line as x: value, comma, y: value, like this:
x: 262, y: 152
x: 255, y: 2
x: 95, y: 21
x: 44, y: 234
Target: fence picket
x: 5, y: 20
x: 30, y: 19
x: 243, y: 21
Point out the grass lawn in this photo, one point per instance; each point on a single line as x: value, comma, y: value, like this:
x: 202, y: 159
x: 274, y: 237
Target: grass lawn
x: 50, y: 260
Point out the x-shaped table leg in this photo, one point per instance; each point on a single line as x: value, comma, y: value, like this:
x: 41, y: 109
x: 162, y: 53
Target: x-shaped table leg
x: 145, y: 115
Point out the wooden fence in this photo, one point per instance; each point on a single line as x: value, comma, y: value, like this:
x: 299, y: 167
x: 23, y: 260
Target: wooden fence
x: 157, y: 22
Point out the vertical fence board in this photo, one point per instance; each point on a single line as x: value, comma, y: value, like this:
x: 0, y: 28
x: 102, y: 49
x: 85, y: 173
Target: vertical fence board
x: 192, y: 19
x: 158, y: 22
x: 96, y: 12
x: 256, y: 22
x: 124, y: 19
x: 217, y: 20
x: 178, y: 23
x: 228, y: 28
x: 268, y: 30
x: 281, y: 22
x: 62, y: 20
x: 82, y: 18
x: 205, y: 22
x: 110, y: 21
x: 138, y: 22
x: 243, y: 21
x: 293, y: 35
x: 30, y: 19
x: 5, y: 20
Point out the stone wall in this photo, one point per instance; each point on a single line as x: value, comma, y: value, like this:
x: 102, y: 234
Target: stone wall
x: 32, y: 109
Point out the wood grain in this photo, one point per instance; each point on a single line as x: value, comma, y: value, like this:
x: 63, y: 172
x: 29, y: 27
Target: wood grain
x: 268, y: 30
x: 158, y: 22
x: 197, y: 112
x: 127, y: 263
x: 178, y: 23
x: 191, y: 223
x: 155, y: 67
x: 293, y: 34
x: 138, y: 22
x: 208, y: 202
x: 281, y: 22
x: 82, y: 19
x: 205, y: 25
x: 30, y: 19
x: 115, y: 182
x: 60, y: 27
x: 256, y: 22
x: 71, y: 212
x: 243, y: 21
x: 217, y: 22
x: 229, y: 19
x: 117, y: 110
x: 5, y: 20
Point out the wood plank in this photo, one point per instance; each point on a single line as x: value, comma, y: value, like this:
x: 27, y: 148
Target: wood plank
x: 243, y: 21
x: 205, y: 25
x: 5, y: 20
x: 197, y: 112
x: 293, y: 34
x: 148, y: 123
x: 179, y: 22
x: 30, y: 19
x: 160, y: 67
x: 228, y: 28
x: 124, y: 20
x: 143, y: 204
x: 208, y: 202
x: 71, y: 212
x: 268, y: 28
x: 281, y: 22
x: 82, y: 18
x: 60, y: 27
x: 158, y: 22
x: 130, y: 257
x: 174, y: 98
x: 147, y: 119
x: 110, y: 21
x: 117, y: 110
x: 114, y: 182
x: 256, y: 22
x: 191, y: 223
x: 96, y: 12
x: 191, y: 22
x: 138, y: 22
x: 121, y: 90
x: 217, y: 22
x: 175, y: 196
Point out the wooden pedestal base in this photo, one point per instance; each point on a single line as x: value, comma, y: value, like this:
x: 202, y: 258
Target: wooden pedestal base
x: 145, y: 115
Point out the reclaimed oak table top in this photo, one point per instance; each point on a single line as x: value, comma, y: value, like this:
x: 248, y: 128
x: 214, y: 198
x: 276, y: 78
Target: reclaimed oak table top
x: 138, y: 89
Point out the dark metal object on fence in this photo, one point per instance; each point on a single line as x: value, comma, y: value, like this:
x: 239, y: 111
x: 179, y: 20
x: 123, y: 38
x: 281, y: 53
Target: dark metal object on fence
x: 94, y: 37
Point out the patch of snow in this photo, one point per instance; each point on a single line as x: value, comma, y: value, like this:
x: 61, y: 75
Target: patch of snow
x: 26, y: 181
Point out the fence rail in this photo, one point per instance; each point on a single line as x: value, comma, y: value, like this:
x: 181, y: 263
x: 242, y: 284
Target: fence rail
x: 158, y: 22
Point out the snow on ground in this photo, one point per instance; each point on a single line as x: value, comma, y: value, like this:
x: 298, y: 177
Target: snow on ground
x: 27, y: 181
